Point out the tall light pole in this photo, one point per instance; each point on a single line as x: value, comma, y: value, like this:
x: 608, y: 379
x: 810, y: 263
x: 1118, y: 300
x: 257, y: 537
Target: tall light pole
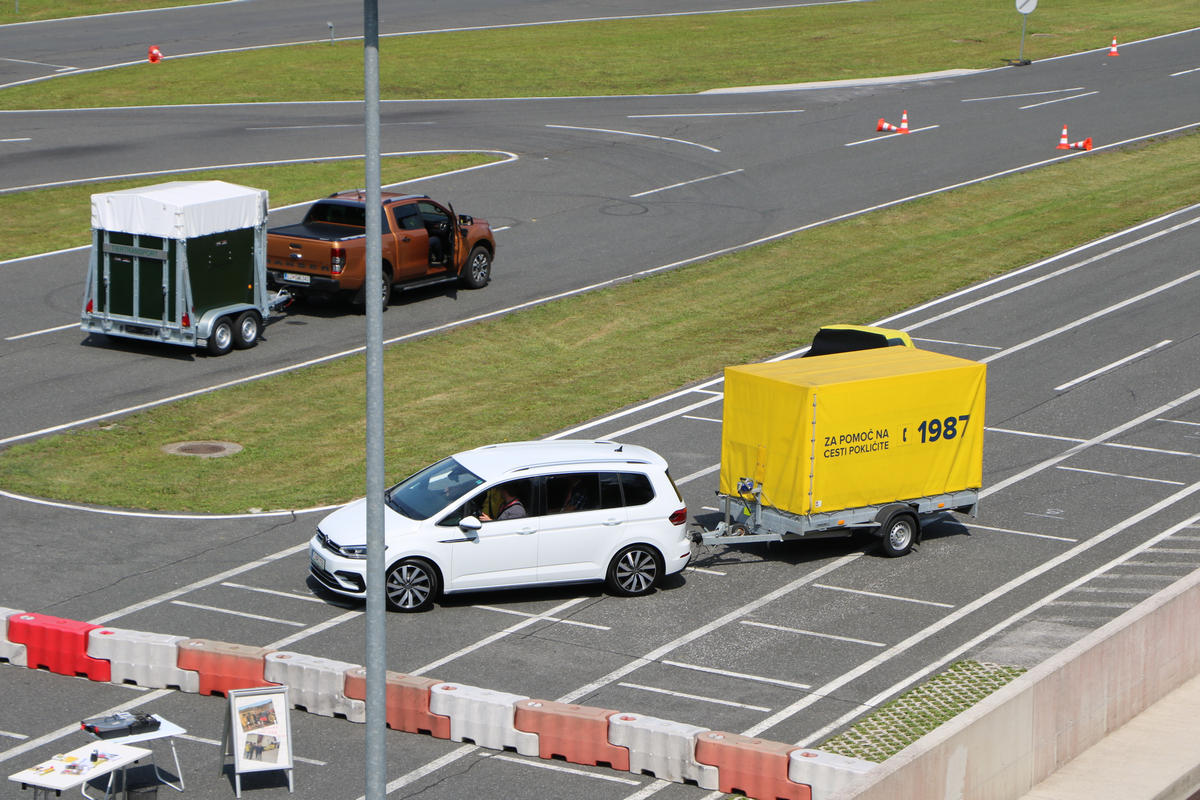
x: 376, y: 655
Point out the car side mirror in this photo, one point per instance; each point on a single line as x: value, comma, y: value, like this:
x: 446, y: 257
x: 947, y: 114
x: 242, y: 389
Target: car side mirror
x: 470, y: 526
x: 465, y: 220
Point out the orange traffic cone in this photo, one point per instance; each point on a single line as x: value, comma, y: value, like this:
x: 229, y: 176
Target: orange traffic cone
x: 884, y: 125
x: 1062, y: 141
x: 154, y: 54
x: 1086, y: 144
x: 1112, y: 51
x: 904, y: 122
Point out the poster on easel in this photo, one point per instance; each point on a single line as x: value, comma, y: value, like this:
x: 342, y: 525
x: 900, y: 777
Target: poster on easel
x: 258, y: 733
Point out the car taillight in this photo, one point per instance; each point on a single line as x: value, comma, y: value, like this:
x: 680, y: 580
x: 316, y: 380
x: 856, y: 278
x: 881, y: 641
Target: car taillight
x: 679, y: 517
x: 187, y: 321
x: 89, y: 306
x: 337, y: 260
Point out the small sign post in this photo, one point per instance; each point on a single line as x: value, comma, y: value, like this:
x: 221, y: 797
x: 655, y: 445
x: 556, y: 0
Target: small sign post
x: 1025, y: 8
x: 258, y: 733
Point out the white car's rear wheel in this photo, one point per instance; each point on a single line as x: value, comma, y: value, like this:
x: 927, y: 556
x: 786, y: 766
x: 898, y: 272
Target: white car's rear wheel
x: 634, y: 571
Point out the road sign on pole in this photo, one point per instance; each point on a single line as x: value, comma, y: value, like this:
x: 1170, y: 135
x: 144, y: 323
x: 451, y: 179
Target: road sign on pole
x: 1025, y: 8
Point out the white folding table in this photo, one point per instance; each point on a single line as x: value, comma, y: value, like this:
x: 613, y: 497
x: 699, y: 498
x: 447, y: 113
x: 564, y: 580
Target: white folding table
x: 166, y: 730
x: 76, y: 768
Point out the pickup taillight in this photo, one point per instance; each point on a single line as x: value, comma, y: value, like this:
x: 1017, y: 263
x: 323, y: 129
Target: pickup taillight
x: 337, y: 260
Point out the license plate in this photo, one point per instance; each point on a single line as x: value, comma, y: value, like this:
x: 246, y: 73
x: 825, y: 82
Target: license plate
x: 318, y: 561
x: 296, y: 277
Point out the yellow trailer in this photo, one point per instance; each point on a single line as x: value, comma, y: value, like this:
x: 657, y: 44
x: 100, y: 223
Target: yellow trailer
x: 871, y: 439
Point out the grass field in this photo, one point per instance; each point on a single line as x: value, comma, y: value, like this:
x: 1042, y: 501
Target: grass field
x: 663, y: 55
x: 554, y: 365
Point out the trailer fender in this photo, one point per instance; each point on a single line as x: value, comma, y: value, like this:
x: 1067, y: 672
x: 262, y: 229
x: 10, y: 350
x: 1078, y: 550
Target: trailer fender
x: 887, y: 518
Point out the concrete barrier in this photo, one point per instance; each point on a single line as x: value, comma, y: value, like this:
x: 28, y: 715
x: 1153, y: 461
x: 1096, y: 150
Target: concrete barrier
x: 1025, y: 731
x: 407, y: 698
x: 10, y: 651
x: 144, y: 659
x: 482, y: 716
x: 222, y: 666
x: 825, y: 773
x: 756, y: 768
x: 661, y: 748
x: 578, y: 734
x: 316, y: 685
x: 57, y: 644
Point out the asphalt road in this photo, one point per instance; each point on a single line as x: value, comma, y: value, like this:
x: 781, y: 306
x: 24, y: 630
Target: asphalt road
x: 1090, y: 458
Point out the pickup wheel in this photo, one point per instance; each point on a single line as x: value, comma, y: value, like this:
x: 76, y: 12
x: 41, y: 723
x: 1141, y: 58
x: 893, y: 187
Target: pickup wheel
x: 478, y: 270
x: 385, y: 290
x: 246, y: 330
x: 220, y: 340
x: 897, y: 534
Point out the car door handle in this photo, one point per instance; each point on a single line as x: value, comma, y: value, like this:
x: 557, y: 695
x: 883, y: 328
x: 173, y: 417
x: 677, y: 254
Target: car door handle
x: 610, y: 522
x: 406, y: 238
x: 526, y: 531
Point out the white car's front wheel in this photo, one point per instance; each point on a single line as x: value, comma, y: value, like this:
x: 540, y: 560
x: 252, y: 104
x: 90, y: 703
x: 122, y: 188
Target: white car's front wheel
x: 411, y: 585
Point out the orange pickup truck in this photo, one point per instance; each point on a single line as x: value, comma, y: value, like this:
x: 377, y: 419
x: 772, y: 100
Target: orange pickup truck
x: 424, y: 243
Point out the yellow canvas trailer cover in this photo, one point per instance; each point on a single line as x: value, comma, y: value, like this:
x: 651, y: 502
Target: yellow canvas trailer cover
x: 853, y: 429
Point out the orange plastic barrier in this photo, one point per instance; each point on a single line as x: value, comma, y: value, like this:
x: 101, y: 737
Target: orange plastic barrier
x: 756, y: 768
x: 578, y: 734
x: 57, y: 644
x: 223, y: 666
x: 407, y: 702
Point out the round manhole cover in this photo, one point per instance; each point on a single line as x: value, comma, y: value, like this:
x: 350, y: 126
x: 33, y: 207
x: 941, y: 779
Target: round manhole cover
x: 203, y: 449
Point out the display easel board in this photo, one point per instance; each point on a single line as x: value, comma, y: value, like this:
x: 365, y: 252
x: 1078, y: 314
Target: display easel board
x: 258, y: 733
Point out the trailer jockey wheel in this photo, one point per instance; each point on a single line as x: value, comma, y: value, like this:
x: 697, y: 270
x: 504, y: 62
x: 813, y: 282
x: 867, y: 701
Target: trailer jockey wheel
x: 897, y: 533
x: 247, y: 330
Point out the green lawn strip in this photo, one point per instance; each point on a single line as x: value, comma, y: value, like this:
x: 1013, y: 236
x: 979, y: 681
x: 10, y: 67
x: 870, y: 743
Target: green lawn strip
x: 886, y: 37
x: 545, y: 369
x: 63, y: 214
x: 33, y: 10
x: 897, y: 724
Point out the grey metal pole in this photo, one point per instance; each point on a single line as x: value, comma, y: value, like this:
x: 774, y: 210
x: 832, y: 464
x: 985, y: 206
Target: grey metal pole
x: 376, y: 655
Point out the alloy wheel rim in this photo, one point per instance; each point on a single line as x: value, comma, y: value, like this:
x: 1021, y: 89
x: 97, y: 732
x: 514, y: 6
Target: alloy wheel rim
x: 408, y: 586
x: 636, y: 571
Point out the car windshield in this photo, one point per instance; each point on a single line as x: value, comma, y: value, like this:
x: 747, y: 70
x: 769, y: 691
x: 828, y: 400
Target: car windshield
x: 431, y: 489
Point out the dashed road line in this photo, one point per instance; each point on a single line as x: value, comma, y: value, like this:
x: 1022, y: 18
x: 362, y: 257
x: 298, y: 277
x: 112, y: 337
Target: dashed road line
x: 697, y: 697
x: 882, y: 596
x: 802, y: 632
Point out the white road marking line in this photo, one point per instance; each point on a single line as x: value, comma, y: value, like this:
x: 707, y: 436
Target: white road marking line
x: 1081, y: 321
x: 803, y: 632
x: 19, y: 139
x: 700, y: 419
x: 12, y: 735
x: 1165, y: 564
x: 715, y: 114
x: 33, y: 744
x: 1021, y: 533
x: 882, y: 596
x: 55, y: 329
x: 526, y: 614
x: 314, y: 630
x: 1112, y: 366
x: 1048, y: 276
x: 687, y: 183
x: 889, y: 136
x: 35, y: 63
x: 1177, y: 550
x: 1059, y: 100
x: 1184, y: 72
x: 1137, y: 576
x: 653, y: 788
x: 700, y: 698
x: 200, y: 584
x: 557, y: 768
x: 230, y: 611
x: 956, y: 344
x: 1120, y: 475
x: 290, y: 595
x: 331, y: 125
x: 705, y: 571
x: 427, y: 768
x: 996, y: 593
x: 215, y: 743
x: 1178, y: 422
x: 636, y: 134
x: 484, y: 642
x: 700, y: 473
x: 739, y: 675
x: 1023, y: 94
x: 1117, y: 445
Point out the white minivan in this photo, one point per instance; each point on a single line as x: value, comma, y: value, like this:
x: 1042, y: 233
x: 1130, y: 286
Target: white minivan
x: 516, y: 514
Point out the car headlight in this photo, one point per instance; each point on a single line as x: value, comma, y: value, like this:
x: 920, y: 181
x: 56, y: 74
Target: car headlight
x: 354, y: 551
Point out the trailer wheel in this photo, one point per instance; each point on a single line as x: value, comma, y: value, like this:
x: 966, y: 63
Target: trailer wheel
x: 411, y: 585
x: 478, y: 270
x: 246, y: 330
x: 897, y: 534
x: 220, y: 340
x: 634, y: 571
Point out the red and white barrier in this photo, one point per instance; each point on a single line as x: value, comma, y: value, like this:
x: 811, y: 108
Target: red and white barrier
x: 756, y: 768
x: 315, y: 684
x: 578, y: 734
x: 223, y: 666
x: 145, y: 659
x: 482, y: 716
x: 56, y: 644
x: 661, y: 748
x: 825, y: 773
x: 407, y: 699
